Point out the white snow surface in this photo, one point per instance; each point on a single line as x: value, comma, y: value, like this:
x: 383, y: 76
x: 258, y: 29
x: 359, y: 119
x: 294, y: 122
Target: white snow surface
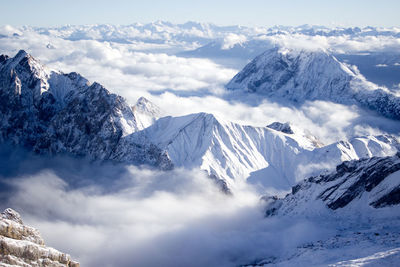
x: 146, y: 113
x: 298, y: 75
x: 260, y: 155
x: 362, y: 234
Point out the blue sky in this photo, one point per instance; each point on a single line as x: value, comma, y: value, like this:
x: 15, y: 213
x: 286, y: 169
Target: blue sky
x: 223, y: 12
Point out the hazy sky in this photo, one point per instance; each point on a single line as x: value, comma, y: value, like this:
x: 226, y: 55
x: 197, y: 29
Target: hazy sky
x: 223, y: 12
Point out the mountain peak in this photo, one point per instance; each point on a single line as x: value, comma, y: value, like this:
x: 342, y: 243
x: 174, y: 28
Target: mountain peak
x: 10, y: 214
x: 302, y: 75
x: 21, y: 53
x: 146, y: 112
x: 291, y: 73
x: 53, y: 112
x: 3, y: 58
x: 143, y: 105
x: 282, y: 127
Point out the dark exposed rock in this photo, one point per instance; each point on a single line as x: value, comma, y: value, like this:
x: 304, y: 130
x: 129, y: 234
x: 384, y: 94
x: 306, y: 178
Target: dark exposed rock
x: 51, y: 112
x: 374, y: 180
x: 282, y: 127
x: 273, y: 203
x: 392, y: 198
x: 222, y: 185
x: 368, y: 174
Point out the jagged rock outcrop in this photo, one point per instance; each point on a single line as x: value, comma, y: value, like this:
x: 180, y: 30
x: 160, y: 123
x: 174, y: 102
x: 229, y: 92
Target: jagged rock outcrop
x: 301, y: 75
x: 353, y: 178
x: 21, y: 245
x: 282, y: 127
x: 357, y: 184
x: 52, y: 112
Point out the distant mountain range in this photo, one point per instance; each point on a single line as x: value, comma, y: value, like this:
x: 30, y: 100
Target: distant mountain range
x: 51, y: 112
x: 159, y: 31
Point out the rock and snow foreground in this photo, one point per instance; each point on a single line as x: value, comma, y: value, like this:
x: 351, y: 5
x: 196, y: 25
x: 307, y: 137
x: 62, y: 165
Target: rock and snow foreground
x: 52, y: 112
x: 300, y: 75
x: 355, y: 186
x: 359, y: 201
x: 21, y: 245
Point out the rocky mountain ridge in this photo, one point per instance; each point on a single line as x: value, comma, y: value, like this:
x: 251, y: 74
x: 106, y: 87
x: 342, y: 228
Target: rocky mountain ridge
x: 22, y: 245
x: 274, y: 156
x: 52, y: 112
x: 365, y: 184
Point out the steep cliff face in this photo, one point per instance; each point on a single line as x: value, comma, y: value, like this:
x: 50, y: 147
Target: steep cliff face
x: 300, y: 75
x: 52, y: 112
x: 21, y: 245
x: 359, y: 203
x: 356, y: 186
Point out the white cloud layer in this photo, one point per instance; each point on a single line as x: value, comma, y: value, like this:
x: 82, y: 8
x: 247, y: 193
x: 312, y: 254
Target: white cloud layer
x: 232, y: 39
x: 337, y: 44
x: 127, y: 216
x: 146, y: 218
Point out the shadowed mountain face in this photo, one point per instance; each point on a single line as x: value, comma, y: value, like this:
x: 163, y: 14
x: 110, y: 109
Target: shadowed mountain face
x: 299, y: 75
x: 51, y: 112
x: 354, y: 185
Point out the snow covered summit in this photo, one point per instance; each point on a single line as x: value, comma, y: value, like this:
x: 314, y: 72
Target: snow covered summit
x: 301, y: 75
x: 275, y: 156
x: 52, y: 112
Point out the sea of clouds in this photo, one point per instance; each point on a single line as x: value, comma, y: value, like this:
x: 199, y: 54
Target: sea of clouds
x: 119, y: 215
x: 135, y: 69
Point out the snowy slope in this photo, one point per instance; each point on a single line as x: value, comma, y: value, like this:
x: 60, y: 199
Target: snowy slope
x: 268, y: 157
x: 52, y: 112
x: 300, y: 75
x: 225, y: 149
x: 146, y: 113
x: 358, y: 202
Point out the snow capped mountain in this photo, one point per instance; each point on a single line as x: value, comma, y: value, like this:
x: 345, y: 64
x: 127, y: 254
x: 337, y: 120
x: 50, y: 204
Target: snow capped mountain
x: 224, y: 149
x: 53, y: 112
x: 275, y: 156
x: 146, y: 113
x: 300, y: 75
